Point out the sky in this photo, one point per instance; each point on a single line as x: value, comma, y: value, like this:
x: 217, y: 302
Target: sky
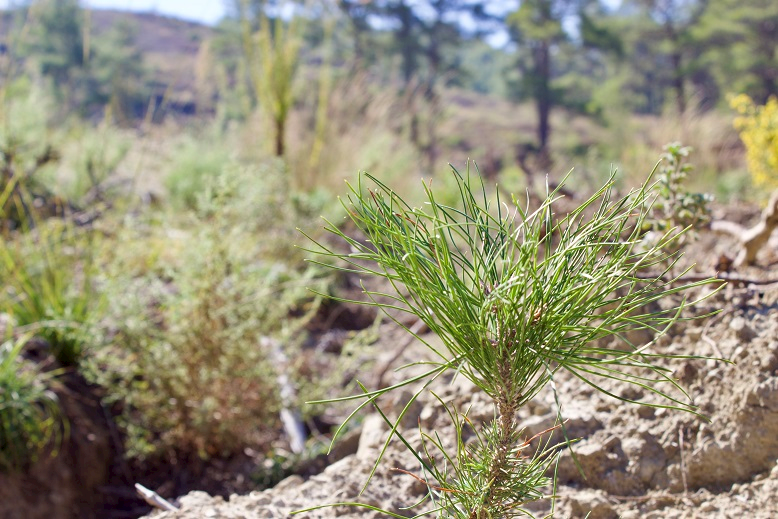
x: 204, y: 11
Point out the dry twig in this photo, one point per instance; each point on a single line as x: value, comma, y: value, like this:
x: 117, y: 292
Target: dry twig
x: 154, y: 499
x: 755, y: 238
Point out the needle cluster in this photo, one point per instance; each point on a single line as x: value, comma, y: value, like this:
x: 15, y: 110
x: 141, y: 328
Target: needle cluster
x: 517, y: 295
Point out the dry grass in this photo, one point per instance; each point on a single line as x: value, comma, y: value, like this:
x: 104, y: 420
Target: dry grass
x: 718, y: 154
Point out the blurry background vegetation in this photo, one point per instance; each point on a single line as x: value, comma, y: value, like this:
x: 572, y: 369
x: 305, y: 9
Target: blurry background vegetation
x: 153, y: 171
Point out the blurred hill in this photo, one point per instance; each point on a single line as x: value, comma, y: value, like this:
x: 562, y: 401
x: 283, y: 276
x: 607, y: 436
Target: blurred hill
x: 168, y: 47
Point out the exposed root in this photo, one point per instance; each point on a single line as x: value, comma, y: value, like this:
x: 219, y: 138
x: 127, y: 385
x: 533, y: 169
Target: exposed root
x: 752, y: 239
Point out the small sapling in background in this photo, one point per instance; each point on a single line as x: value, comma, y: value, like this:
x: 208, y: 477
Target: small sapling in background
x: 674, y: 205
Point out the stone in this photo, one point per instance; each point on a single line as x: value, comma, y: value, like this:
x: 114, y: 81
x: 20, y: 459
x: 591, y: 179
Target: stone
x: 741, y: 328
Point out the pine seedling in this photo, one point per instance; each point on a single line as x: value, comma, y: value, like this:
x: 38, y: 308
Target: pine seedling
x: 516, y: 296
x: 674, y: 205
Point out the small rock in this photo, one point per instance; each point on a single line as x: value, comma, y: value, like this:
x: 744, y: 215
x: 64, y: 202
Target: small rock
x: 427, y: 416
x: 646, y: 412
x: 694, y: 333
x: 291, y: 481
x: 411, y: 416
x: 197, y: 499
x: 708, y: 508
x: 686, y: 372
x: 372, y: 438
x: 764, y: 394
x: 741, y: 328
x: 345, y: 446
x: 591, y: 504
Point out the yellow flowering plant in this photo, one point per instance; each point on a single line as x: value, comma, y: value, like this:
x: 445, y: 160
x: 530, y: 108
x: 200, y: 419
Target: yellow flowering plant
x: 758, y: 128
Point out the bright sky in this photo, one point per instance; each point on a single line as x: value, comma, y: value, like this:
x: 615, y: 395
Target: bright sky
x: 205, y: 11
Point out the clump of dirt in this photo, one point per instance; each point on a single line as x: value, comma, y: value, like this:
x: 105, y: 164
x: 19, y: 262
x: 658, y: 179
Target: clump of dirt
x: 69, y: 484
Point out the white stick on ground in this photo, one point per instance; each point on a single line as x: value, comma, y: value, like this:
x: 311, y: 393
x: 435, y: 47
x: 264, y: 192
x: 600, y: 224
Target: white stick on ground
x: 290, y: 417
x: 154, y: 499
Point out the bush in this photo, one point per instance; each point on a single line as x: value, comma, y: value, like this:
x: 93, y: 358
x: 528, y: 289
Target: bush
x: 30, y: 417
x: 48, y: 284
x: 758, y: 127
x: 91, y: 161
x: 187, y: 311
x: 195, y: 166
x: 674, y: 207
x: 184, y: 357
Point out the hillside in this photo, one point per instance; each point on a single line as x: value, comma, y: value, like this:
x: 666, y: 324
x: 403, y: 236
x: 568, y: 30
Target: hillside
x: 169, y: 46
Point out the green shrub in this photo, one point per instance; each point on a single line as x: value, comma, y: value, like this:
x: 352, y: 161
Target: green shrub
x: 674, y: 206
x: 47, y: 282
x: 24, y: 136
x: 91, y: 161
x: 195, y: 165
x: 187, y: 311
x: 516, y: 296
x: 185, y: 356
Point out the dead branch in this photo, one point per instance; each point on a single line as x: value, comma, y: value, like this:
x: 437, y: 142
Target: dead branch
x: 720, y: 277
x: 752, y: 239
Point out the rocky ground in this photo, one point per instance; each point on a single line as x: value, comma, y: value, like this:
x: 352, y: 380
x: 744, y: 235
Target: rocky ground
x: 638, y: 462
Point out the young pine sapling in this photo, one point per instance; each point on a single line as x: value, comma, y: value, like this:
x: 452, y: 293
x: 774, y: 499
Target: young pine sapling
x: 516, y: 296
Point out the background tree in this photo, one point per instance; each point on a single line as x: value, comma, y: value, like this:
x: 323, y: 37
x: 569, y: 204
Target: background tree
x: 741, y: 46
x: 116, y: 73
x: 356, y: 15
x: 536, y: 29
x: 55, y: 45
x: 664, y: 31
x: 272, y: 58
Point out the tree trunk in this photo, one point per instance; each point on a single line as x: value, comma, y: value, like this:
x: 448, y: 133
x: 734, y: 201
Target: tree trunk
x: 543, y: 100
x: 678, y: 81
x: 405, y: 36
x: 279, y: 135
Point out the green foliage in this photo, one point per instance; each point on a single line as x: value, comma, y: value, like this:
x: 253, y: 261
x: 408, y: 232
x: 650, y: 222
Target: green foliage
x: 56, y: 167
x: 737, y: 43
x: 272, y: 58
x: 56, y: 42
x: 92, y: 162
x: 194, y: 167
x: 184, y: 355
x: 183, y: 343
x: 469, y: 480
x: 85, y: 72
x: 47, y: 264
x: 48, y: 283
x: 516, y: 296
x: 675, y: 207
x: 31, y: 422
x: 117, y: 76
x: 26, y: 149
x: 483, y: 69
